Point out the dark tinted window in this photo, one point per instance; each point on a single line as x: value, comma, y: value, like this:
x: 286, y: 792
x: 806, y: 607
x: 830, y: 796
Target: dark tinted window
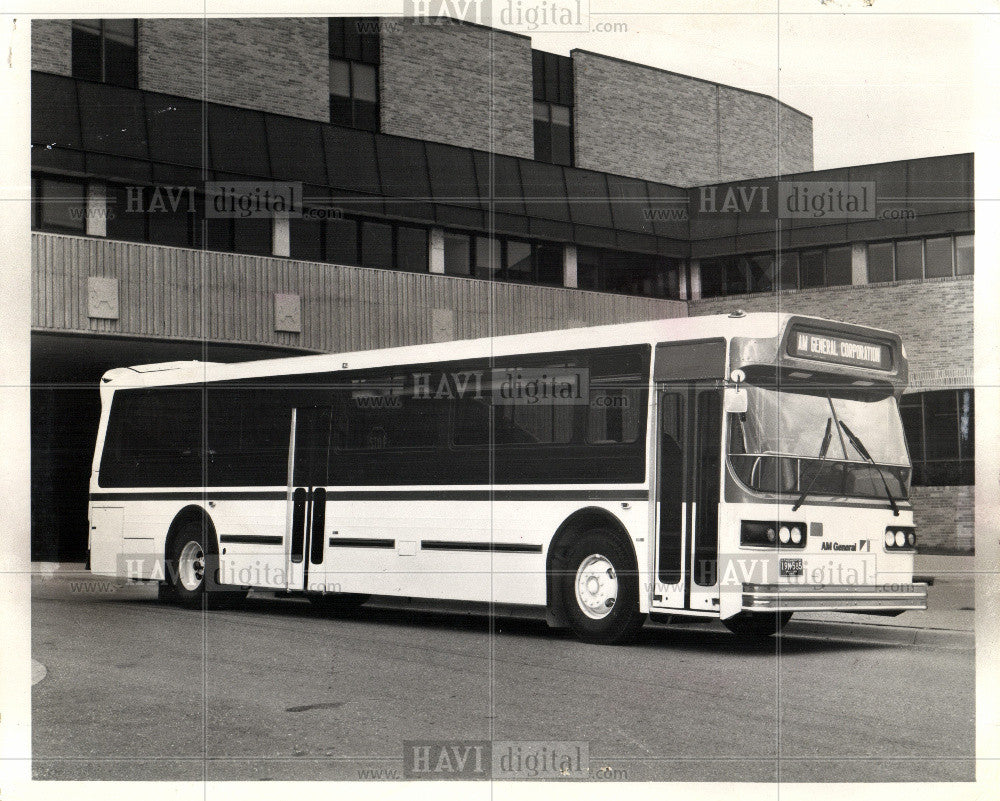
x: 104, y: 50
x: 350, y: 160
x: 113, y: 120
x: 376, y: 244
x: 252, y: 235
x: 411, y: 249
x: 61, y: 205
x: 154, y: 439
x: 939, y: 258
x: 238, y: 140
x: 305, y: 239
x: 788, y: 271
x: 341, y: 237
x: 880, y: 262
x: 838, y: 266
x: 940, y: 435
x: 964, y: 254
x: 457, y: 254
x: 811, y: 268
x: 910, y: 259
x: 175, y: 127
x: 296, y: 148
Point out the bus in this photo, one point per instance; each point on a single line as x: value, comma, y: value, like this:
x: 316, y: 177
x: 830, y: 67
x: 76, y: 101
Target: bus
x: 739, y: 467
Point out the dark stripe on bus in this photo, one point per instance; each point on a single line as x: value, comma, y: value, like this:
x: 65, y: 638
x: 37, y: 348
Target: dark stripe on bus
x: 249, y: 539
x: 505, y: 547
x: 361, y: 542
x: 384, y: 495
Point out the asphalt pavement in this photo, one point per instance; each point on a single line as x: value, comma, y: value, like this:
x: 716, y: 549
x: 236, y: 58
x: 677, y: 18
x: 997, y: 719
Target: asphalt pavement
x: 132, y: 688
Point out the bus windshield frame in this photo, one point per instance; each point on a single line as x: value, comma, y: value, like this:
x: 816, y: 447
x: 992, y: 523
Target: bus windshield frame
x: 777, y: 446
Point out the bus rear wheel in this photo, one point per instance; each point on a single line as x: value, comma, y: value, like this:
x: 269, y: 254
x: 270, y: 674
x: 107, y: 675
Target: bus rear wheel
x: 600, y: 589
x: 757, y: 624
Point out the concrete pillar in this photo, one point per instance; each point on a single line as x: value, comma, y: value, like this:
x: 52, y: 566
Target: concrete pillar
x: 569, y: 266
x: 436, y: 254
x: 682, y: 284
x: 97, y: 209
x: 859, y: 263
x: 281, y: 236
x: 694, y: 292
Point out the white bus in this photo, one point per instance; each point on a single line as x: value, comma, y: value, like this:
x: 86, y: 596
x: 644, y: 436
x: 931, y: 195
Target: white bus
x: 738, y: 467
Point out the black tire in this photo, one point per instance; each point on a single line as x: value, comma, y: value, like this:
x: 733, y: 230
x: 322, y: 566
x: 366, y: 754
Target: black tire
x: 605, y: 554
x: 337, y: 603
x: 757, y: 624
x: 192, y: 569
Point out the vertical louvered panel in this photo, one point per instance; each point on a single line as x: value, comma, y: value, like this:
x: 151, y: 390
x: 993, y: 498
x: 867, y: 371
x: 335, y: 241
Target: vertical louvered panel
x: 179, y: 293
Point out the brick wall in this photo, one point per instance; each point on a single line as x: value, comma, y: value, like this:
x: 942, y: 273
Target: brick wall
x: 276, y: 65
x: 460, y: 84
x: 944, y: 517
x: 751, y: 143
x: 934, y: 318
x: 648, y: 123
x: 51, y: 46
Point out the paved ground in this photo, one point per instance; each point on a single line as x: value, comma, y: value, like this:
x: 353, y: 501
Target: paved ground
x: 138, y: 689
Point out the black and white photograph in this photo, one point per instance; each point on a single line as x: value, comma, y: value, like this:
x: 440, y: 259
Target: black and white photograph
x: 501, y: 392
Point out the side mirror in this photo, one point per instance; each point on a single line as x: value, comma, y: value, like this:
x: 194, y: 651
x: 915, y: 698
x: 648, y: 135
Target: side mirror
x: 735, y: 400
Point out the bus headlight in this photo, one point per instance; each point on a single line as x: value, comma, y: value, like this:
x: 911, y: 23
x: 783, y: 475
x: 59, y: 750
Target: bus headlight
x: 761, y: 533
x: 900, y: 538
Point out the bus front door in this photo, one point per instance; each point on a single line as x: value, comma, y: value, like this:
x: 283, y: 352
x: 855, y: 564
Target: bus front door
x: 688, y: 470
x: 308, y: 466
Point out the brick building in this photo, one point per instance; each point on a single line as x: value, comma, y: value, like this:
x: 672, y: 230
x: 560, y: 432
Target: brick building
x: 459, y: 183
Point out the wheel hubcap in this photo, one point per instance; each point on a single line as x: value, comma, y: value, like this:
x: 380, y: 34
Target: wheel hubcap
x: 191, y: 566
x: 596, y: 586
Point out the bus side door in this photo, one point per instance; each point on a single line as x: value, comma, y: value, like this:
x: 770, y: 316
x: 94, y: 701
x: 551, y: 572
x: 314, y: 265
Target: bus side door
x: 688, y: 474
x: 308, y: 465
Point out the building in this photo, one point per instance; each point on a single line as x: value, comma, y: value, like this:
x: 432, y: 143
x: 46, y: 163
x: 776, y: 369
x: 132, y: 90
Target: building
x: 455, y: 183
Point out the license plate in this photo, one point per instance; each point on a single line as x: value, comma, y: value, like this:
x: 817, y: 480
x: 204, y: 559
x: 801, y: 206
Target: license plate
x: 790, y: 567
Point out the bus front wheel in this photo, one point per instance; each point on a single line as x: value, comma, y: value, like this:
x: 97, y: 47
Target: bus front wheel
x: 190, y: 562
x: 757, y: 624
x: 600, y: 589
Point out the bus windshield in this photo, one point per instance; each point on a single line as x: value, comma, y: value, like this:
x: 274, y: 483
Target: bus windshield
x: 778, y: 445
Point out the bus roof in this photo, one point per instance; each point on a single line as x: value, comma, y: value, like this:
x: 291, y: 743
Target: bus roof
x: 756, y: 324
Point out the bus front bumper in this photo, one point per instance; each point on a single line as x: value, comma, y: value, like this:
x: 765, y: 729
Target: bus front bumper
x: 831, y: 598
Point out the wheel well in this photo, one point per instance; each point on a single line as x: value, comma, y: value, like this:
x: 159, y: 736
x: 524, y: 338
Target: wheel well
x: 574, y: 525
x: 187, y: 515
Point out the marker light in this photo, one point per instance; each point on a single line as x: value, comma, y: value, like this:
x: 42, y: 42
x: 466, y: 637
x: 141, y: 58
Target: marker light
x: 767, y: 533
x: 900, y: 539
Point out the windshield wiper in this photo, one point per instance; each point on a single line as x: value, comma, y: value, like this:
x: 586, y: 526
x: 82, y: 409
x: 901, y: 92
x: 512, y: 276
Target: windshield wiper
x: 822, y: 458
x: 860, y: 448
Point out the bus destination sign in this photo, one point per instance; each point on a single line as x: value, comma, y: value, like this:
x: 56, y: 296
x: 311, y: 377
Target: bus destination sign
x: 825, y: 347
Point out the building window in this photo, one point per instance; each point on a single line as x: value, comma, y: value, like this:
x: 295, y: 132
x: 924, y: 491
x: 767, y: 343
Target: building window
x: 59, y: 205
x: 552, y: 87
x: 913, y: 259
x: 457, y: 254
x: 354, y: 60
x: 553, y: 133
x: 627, y: 273
x: 940, y: 433
x: 359, y: 242
x: 105, y: 50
